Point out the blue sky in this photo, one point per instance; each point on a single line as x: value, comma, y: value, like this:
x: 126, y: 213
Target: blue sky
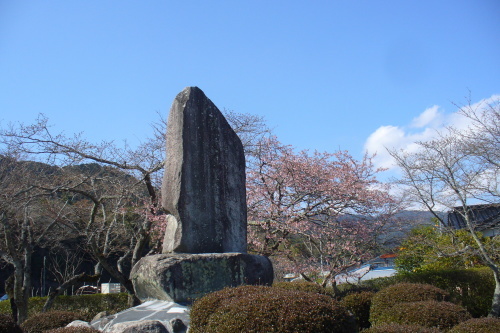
x: 326, y: 75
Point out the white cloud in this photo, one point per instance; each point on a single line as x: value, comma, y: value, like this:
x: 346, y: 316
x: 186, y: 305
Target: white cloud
x: 424, y: 127
x: 384, y: 136
x: 428, y: 117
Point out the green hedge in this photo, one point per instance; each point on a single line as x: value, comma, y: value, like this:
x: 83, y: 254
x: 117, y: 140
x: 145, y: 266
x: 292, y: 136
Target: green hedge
x: 89, y: 305
x: 472, y: 288
x: 301, y: 286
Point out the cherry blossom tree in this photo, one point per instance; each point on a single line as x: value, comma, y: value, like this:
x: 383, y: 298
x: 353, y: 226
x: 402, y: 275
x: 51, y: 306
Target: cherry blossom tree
x: 321, y: 212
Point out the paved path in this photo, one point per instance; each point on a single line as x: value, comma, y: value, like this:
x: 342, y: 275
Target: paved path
x: 151, y: 310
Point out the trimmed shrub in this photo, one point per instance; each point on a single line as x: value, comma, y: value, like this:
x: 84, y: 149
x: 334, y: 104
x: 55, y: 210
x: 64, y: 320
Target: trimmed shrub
x: 384, y: 300
x: 478, y: 325
x: 399, y: 328
x: 73, y: 330
x: 90, y: 305
x: 472, y: 288
x: 48, y: 320
x: 301, y: 285
x: 442, y: 315
x: 7, y: 325
x: 203, y: 308
x: 270, y: 310
x: 359, y: 304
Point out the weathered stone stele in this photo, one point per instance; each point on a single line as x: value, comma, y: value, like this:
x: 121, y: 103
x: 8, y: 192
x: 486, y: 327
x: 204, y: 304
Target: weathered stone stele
x: 183, y: 278
x: 204, y: 248
x: 204, y: 182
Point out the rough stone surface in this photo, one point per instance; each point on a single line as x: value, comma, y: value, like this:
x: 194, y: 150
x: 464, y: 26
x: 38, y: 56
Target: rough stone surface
x: 204, y: 181
x: 183, y: 278
x: 100, y: 315
x: 177, y: 326
x: 149, y: 326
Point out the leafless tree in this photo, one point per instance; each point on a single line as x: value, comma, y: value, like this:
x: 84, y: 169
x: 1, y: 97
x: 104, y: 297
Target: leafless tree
x: 105, y: 193
x: 251, y: 130
x: 24, y: 224
x: 119, y: 180
x: 65, y: 264
x: 457, y: 169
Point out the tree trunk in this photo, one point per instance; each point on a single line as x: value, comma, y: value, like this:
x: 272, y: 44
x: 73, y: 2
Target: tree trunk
x: 9, y: 289
x: 495, y: 304
x: 124, y: 280
x: 20, y: 298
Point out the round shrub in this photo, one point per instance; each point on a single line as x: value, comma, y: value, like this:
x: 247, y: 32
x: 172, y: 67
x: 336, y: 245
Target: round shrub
x: 442, y: 315
x: 399, y: 328
x: 359, y: 304
x: 40, y: 322
x: 478, y: 325
x: 385, y: 299
x: 206, y: 306
x: 301, y: 285
x: 72, y: 330
x: 276, y: 310
x: 7, y: 325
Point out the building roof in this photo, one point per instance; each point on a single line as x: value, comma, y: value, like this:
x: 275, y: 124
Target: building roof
x: 483, y: 217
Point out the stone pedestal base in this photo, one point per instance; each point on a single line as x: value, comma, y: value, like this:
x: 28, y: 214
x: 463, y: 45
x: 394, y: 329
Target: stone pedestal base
x: 182, y: 278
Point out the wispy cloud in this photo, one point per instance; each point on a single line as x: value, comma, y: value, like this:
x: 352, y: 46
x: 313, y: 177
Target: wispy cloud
x: 428, y: 118
x: 424, y: 127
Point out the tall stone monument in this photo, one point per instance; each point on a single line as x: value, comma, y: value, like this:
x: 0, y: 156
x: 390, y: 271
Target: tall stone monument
x: 203, y: 193
x: 204, y: 182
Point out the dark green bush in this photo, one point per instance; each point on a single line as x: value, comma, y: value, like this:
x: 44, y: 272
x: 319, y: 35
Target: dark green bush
x: 380, y: 283
x: 399, y: 328
x: 73, y: 330
x: 265, y: 309
x: 472, y: 288
x: 478, y: 325
x: 7, y: 325
x: 442, y: 315
x: 88, y: 305
x: 348, y: 288
x: 5, y: 307
x: 359, y: 304
x: 301, y: 285
x: 40, y: 322
x: 384, y: 300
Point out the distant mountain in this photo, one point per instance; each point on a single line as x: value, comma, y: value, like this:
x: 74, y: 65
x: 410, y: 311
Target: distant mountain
x: 405, y: 221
